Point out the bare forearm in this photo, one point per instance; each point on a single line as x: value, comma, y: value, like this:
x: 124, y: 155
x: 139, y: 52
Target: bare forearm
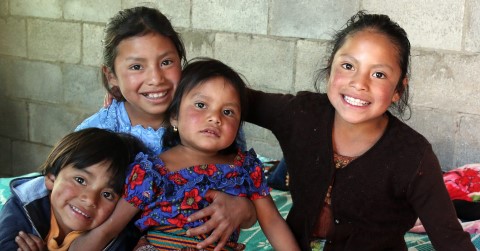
x: 274, y: 226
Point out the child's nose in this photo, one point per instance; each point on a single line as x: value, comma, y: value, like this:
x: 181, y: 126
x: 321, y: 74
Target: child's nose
x: 214, y: 117
x: 360, y: 81
x: 156, y: 76
x: 90, y: 199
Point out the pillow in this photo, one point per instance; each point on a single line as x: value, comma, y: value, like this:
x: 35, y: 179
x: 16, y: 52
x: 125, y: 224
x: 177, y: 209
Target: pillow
x: 463, y: 186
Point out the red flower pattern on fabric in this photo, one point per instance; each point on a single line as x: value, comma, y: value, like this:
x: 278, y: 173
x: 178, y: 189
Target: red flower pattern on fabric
x: 162, y: 170
x: 151, y: 222
x: 136, y: 177
x: 256, y: 196
x: 256, y: 176
x: 239, y: 159
x: 177, y: 179
x: 462, y: 183
x: 191, y: 199
x: 165, y: 206
x: 231, y: 175
x: 209, y: 169
x: 136, y: 201
x: 179, y: 221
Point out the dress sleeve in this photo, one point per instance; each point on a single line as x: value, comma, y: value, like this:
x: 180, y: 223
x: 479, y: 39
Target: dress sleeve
x: 105, y: 118
x: 256, y: 182
x: 141, y: 182
x: 429, y: 197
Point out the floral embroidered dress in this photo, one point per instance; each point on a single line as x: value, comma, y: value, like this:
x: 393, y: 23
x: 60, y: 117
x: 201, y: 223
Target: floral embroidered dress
x: 168, y: 198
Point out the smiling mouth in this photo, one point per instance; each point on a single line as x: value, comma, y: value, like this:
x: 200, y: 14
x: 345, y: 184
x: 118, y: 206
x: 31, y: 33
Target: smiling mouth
x: 76, y: 209
x: 355, y: 102
x: 155, y: 95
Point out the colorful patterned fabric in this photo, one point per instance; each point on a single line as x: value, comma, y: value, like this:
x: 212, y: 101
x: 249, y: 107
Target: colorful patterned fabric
x: 168, y: 198
x: 174, y: 238
x: 463, y: 183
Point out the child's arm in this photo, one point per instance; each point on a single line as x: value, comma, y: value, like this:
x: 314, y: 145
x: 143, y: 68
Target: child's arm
x: 99, y: 237
x: 274, y: 226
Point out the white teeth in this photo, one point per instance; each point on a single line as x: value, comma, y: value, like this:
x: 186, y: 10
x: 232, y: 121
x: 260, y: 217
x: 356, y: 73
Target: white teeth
x: 354, y: 101
x: 78, y: 211
x: 155, y: 95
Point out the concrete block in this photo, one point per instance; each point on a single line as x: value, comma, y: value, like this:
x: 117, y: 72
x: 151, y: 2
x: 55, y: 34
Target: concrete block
x: 3, y: 8
x: 13, y: 37
x: 439, y: 127
x: 446, y: 81
x: 92, y: 46
x: 431, y: 24
x: 265, y: 149
x: 5, y: 157
x: 54, y: 41
x: 467, y: 147
x: 253, y: 131
x: 14, y: 119
x: 263, y: 61
x: 177, y: 11
x: 472, y: 31
x: 37, y: 8
x: 5, y: 75
x: 311, y: 57
x: 310, y: 18
x: 83, y: 87
x: 247, y: 16
x: 48, y: 123
x: 28, y: 157
x: 35, y: 80
x: 91, y: 10
x: 198, y: 44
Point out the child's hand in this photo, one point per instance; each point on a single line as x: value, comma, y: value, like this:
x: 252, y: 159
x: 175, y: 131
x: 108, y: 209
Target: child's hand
x: 29, y: 242
x: 227, y: 213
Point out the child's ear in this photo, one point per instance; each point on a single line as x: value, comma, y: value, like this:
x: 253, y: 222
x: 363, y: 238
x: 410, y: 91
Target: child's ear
x: 173, y: 121
x: 110, y: 76
x: 399, y: 91
x: 49, y: 180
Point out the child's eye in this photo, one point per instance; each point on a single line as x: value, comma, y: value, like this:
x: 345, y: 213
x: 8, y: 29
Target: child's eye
x: 379, y: 75
x: 167, y: 62
x: 347, y: 66
x: 136, y: 67
x: 228, y: 112
x: 108, y: 195
x: 200, y: 105
x: 80, y: 180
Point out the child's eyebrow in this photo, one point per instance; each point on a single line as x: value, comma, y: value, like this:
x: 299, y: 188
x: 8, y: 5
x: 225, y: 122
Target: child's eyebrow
x: 346, y: 56
x: 136, y: 58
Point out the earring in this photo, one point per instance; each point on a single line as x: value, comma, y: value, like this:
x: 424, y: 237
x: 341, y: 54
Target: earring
x: 175, y: 129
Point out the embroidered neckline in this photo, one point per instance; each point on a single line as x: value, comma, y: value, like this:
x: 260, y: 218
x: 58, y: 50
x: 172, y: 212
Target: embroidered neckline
x: 341, y: 161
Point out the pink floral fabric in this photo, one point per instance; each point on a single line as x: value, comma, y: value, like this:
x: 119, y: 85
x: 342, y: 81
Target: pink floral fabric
x: 463, y: 183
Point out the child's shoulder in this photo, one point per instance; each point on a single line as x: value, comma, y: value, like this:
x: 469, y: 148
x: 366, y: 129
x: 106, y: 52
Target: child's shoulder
x: 112, y: 118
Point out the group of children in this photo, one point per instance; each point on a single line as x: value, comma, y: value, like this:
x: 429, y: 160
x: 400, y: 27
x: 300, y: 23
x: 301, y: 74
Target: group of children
x: 359, y: 177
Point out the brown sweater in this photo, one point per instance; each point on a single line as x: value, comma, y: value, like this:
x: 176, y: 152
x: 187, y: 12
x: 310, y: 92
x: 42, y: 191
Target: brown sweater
x: 377, y: 197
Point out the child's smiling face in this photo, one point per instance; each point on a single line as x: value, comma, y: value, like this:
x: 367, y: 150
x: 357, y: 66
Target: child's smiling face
x: 81, y: 199
x: 147, y: 72
x: 364, y: 76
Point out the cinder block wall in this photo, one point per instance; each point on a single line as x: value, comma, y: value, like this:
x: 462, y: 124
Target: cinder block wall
x: 50, y: 54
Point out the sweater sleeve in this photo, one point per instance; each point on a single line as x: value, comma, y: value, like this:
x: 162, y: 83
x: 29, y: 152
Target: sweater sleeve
x: 266, y: 109
x: 429, y: 198
x: 12, y: 220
